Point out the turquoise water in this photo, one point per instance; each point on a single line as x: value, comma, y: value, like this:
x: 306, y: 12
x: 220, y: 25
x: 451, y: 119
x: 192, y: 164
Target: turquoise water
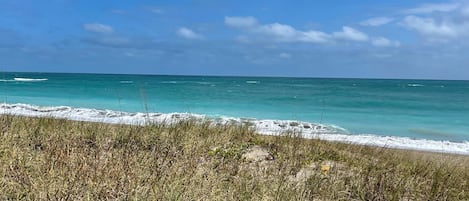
x: 426, y: 109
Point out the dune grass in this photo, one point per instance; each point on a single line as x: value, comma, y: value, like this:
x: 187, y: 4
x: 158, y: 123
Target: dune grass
x: 48, y: 159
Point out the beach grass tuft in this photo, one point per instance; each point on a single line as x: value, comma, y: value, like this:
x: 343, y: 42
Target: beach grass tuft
x: 57, y: 159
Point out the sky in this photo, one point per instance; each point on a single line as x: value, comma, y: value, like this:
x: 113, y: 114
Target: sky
x: 348, y: 38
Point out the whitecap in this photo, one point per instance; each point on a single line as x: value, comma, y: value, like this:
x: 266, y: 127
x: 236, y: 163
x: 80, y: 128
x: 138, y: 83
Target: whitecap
x: 252, y: 82
x: 169, y: 82
x: 126, y: 82
x: 23, y: 79
x: 415, y: 85
x: 204, y: 83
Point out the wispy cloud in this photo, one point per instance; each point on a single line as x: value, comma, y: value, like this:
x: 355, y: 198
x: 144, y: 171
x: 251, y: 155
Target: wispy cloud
x: 98, y: 28
x: 155, y: 10
x: 351, y: 34
x: 432, y: 27
x: 129, y: 54
x: 122, y: 42
x: 241, y: 22
x: 188, y: 33
x: 280, y: 32
x: 315, y: 37
x: 118, y: 11
x: 384, y: 42
x: 116, y: 42
x: 381, y: 55
x: 376, y: 21
x: 284, y: 55
x: 430, y: 8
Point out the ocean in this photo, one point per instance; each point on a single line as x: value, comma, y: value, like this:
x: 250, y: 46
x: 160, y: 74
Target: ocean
x: 430, y: 115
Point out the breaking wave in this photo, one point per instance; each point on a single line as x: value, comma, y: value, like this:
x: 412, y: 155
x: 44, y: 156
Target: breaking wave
x: 22, y: 79
x: 267, y: 127
x: 415, y: 85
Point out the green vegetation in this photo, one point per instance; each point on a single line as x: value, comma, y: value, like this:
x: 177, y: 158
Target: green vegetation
x: 45, y: 158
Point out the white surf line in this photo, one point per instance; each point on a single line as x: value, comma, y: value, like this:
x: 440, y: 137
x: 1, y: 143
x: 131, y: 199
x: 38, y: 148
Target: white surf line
x: 266, y: 127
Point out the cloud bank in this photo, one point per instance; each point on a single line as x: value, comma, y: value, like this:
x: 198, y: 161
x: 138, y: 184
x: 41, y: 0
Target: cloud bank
x: 278, y: 32
x: 439, y: 22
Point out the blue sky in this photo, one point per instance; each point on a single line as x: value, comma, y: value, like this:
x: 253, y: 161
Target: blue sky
x: 366, y: 39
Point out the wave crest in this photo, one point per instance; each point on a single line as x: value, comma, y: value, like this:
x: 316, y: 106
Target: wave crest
x: 415, y: 85
x: 266, y: 127
x: 23, y: 79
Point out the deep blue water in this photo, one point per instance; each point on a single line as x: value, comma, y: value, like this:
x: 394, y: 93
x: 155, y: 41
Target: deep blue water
x: 429, y: 109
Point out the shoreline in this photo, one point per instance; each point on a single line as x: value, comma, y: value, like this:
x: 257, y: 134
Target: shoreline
x: 264, y: 127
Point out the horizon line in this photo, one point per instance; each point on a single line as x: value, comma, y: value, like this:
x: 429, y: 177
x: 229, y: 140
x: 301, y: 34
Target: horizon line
x: 232, y: 75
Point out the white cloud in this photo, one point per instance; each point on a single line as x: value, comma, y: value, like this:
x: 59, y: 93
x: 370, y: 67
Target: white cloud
x: 433, y: 28
x: 279, y: 30
x: 430, y: 8
x: 284, y: 55
x: 376, y: 21
x: 285, y: 33
x: 439, y: 22
x: 98, y: 28
x: 155, y: 10
x: 314, y: 37
x: 276, y: 31
x: 384, y: 42
x: 241, y: 22
x: 188, y: 33
x: 349, y: 33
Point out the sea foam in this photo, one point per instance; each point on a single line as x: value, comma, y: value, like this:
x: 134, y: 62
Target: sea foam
x: 266, y: 127
x: 23, y: 79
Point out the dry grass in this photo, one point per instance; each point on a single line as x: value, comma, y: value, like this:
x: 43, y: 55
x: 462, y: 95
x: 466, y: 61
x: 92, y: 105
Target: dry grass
x: 52, y: 159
